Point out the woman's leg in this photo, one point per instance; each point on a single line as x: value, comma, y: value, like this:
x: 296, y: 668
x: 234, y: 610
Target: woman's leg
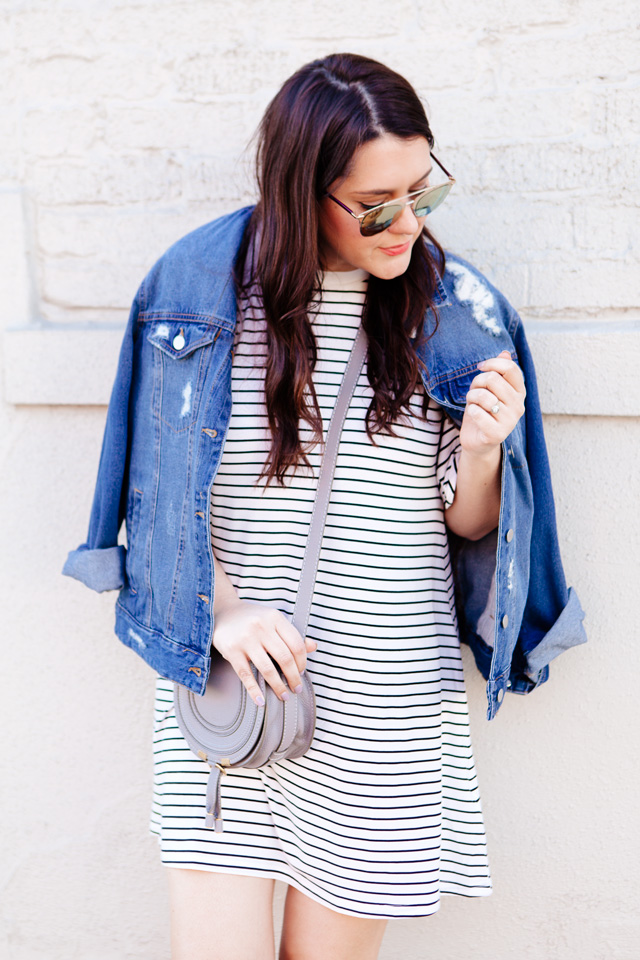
x: 313, y: 932
x: 220, y: 916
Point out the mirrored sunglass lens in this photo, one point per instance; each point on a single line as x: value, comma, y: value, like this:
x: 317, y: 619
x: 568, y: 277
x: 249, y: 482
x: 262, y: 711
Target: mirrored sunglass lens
x: 425, y: 203
x: 379, y: 220
x: 432, y: 198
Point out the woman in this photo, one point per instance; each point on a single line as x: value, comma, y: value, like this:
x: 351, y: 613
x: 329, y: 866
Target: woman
x: 211, y: 453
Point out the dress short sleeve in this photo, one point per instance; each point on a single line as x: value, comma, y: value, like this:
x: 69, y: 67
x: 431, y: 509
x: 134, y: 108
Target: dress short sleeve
x: 447, y: 464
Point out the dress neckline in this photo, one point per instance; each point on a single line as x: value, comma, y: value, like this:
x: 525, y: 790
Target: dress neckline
x: 342, y: 278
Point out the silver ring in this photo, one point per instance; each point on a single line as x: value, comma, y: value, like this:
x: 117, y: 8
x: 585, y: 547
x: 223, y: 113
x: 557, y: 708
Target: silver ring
x: 496, y: 407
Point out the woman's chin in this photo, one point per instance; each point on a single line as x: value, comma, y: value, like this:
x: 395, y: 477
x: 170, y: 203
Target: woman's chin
x: 387, y: 267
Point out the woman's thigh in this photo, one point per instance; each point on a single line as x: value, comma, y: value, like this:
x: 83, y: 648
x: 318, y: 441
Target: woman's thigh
x: 313, y: 932
x: 220, y: 916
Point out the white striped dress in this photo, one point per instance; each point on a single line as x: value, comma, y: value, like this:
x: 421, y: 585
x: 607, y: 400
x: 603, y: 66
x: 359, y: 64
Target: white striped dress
x: 383, y: 814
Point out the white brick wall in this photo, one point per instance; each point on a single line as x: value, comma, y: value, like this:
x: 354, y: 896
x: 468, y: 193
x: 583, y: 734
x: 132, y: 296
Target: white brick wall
x: 125, y: 114
x: 124, y: 124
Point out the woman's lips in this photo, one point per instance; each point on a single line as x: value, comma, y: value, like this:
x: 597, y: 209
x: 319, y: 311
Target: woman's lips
x: 394, y: 251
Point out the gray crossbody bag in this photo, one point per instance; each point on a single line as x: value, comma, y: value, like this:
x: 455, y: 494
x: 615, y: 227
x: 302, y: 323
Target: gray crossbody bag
x: 223, y: 726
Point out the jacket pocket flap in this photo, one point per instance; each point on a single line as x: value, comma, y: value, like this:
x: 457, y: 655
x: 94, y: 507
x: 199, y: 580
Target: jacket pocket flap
x: 453, y: 391
x: 178, y: 339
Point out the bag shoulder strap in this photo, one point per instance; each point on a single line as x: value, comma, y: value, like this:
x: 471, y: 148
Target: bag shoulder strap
x: 302, y: 607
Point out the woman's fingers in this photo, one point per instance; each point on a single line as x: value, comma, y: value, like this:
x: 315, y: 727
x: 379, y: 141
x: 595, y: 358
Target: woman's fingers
x: 496, y: 384
x: 486, y: 399
x: 243, y: 668
x: 495, y: 403
x: 487, y: 422
x: 248, y: 633
x: 275, y: 649
x: 500, y: 385
x: 269, y: 671
x: 293, y: 641
x: 506, y: 368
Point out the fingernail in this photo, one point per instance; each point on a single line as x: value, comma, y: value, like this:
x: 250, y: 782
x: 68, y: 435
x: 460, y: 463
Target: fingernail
x: 481, y: 365
x: 260, y: 700
x: 285, y: 695
x: 298, y: 689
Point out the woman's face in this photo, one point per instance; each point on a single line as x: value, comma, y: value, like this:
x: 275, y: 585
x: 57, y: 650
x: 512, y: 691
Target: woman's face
x: 382, y: 169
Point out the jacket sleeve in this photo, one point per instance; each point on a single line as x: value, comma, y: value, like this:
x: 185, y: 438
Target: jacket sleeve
x: 552, y: 620
x: 100, y: 562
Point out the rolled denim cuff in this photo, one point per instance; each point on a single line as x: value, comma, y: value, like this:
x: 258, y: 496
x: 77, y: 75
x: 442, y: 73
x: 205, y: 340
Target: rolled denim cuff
x: 566, y: 632
x: 102, y: 569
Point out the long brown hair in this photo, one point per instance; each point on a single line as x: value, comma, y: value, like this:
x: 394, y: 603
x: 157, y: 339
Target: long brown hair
x: 306, y: 140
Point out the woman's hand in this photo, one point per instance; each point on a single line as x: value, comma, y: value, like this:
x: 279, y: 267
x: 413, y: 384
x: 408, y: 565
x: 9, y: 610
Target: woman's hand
x: 495, y: 403
x: 247, y: 632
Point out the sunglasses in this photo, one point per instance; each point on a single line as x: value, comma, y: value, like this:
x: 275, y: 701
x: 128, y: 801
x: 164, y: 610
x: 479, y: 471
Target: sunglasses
x: 381, y: 217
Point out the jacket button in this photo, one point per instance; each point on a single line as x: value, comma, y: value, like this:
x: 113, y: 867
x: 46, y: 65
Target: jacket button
x: 505, y: 621
x: 500, y: 695
x: 509, y: 536
x: 178, y: 342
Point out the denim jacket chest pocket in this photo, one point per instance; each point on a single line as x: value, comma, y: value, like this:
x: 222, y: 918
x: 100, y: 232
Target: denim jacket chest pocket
x: 451, y: 393
x: 179, y: 365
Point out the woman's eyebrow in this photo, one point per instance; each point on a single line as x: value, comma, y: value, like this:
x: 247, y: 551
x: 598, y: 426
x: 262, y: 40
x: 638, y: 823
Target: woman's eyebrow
x: 382, y: 193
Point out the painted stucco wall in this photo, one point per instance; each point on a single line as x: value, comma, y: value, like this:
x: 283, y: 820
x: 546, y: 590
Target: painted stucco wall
x: 122, y: 126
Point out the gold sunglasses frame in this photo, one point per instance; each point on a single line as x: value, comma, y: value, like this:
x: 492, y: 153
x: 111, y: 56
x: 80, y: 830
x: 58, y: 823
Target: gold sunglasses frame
x: 400, y: 200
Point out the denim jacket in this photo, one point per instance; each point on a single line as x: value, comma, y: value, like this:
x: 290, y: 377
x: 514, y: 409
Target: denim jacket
x: 163, y: 440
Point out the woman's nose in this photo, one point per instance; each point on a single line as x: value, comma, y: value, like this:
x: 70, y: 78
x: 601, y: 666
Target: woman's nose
x: 407, y: 222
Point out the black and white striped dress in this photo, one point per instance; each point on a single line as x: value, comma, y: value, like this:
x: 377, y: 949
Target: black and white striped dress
x: 383, y: 814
